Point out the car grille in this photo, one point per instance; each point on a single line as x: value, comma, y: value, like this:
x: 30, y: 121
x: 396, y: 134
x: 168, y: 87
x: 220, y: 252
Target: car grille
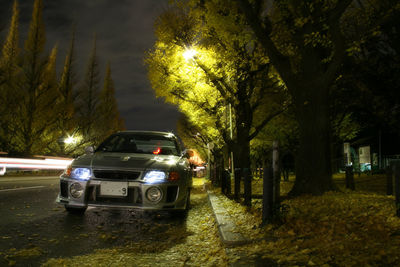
x: 116, y: 174
x: 172, y: 192
x: 64, y: 188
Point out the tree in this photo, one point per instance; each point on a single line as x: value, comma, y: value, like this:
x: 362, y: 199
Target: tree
x: 37, y: 90
x: 66, y: 123
x: 229, y: 69
x: 108, y: 113
x: 38, y: 112
x: 305, y: 43
x: 10, y: 69
x: 192, y: 136
x: 88, y: 100
x: 375, y: 63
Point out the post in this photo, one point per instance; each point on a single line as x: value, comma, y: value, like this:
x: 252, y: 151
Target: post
x: 237, y: 178
x: 247, y: 187
x: 276, y: 171
x: 228, y: 183
x: 268, y: 195
x: 389, y: 180
x: 223, y: 181
x: 350, y: 178
x: 397, y: 186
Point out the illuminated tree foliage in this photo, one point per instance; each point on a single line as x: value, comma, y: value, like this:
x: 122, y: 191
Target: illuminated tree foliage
x: 38, y: 110
x: 226, y: 68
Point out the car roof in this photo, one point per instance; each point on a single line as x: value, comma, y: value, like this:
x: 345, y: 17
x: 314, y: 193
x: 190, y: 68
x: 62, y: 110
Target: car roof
x: 169, y: 134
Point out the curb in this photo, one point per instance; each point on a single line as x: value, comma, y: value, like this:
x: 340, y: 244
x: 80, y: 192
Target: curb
x: 228, y: 230
x: 229, y: 234
x: 231, y: 237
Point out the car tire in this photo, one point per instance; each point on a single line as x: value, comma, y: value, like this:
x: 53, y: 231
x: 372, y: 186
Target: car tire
x: 74, y: 210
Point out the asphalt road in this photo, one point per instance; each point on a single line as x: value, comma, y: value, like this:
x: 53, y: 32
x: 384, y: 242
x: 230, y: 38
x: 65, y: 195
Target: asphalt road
x: 33, y: 228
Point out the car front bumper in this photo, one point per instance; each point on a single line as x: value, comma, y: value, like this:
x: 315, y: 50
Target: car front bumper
x: 173, y: 195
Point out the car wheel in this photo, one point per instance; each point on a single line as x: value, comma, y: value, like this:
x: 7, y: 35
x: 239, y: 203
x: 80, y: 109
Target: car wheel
x: 74, y: 210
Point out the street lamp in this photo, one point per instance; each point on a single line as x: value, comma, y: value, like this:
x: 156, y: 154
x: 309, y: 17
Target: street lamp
x: 70, y: 140
x: 189, y: 54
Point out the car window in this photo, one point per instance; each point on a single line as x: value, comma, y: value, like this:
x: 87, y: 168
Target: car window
x: 140, y: 143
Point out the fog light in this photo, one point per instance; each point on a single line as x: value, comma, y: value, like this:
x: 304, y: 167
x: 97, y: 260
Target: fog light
x: 76, y: 190
x: 154, y: 194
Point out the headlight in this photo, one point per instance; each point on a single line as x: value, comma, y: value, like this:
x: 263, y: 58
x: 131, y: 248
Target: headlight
x: 154, y: 194
x: 154, y: 177
x: 81, y: 173
x: 76, y: 190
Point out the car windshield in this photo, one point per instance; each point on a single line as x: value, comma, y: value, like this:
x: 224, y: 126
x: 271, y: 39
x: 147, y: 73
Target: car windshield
x: 140, y: 143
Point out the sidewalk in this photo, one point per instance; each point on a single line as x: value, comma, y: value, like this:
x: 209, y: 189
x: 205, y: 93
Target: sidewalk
x: 231, y: 236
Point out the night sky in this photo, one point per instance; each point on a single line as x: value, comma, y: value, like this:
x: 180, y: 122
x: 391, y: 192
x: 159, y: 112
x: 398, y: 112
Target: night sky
x: 124, y: 30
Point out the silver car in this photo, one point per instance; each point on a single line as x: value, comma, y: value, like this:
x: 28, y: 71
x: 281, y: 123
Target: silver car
x: 131, y: 169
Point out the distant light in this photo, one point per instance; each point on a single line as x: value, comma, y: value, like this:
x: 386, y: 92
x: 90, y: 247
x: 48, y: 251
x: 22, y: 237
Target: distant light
x: 189, y: 54
x: 70, y: 140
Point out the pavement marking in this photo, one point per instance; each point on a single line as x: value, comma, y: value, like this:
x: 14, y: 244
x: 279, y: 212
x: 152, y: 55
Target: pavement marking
x: 22, y: 188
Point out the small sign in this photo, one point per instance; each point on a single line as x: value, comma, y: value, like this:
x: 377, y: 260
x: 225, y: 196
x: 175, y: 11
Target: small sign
x: 119, y: 189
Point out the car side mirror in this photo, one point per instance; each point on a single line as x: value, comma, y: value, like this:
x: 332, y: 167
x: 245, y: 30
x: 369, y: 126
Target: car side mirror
x: 89, y: 150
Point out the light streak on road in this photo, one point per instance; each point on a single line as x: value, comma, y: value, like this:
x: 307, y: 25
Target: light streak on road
x: 36, y: 164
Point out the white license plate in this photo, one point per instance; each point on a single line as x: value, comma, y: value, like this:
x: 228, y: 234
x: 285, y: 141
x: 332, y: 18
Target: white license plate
x: 114, y: 188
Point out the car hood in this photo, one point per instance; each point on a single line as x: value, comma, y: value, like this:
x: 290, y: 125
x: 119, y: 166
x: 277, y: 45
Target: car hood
x: 100, y: 160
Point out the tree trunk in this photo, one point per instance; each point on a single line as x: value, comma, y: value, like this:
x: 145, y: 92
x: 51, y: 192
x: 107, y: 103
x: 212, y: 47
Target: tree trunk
x: 242, y: 162
x: 313, y: 169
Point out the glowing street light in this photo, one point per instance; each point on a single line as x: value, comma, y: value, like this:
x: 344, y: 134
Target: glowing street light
x: 70, y: 140
x: 189, y: 54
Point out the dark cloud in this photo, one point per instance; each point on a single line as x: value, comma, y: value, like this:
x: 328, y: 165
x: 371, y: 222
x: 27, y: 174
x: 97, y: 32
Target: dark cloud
x: 124, y: 30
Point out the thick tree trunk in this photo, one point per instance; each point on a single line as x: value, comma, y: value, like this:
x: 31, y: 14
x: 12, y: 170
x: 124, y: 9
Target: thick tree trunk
x: 313, y: 160
x: 242, y: 163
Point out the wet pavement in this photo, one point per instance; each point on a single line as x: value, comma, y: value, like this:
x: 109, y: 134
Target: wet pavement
x: 35, y: 229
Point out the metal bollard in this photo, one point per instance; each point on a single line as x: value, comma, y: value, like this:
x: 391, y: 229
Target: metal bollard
x: 350, y: 178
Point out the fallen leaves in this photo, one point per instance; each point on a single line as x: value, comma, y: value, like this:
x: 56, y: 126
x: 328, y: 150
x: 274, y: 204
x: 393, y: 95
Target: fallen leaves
x: 342, y: 229
x: 13, y: 254
x: 195, y: 243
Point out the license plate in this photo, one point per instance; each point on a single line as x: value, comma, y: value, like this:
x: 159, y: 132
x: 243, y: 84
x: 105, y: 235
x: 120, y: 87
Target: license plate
x: 114, y: 189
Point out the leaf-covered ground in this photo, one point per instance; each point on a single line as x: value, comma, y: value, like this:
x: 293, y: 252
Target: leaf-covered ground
x: 337, y: 229
x: 196, y: 245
